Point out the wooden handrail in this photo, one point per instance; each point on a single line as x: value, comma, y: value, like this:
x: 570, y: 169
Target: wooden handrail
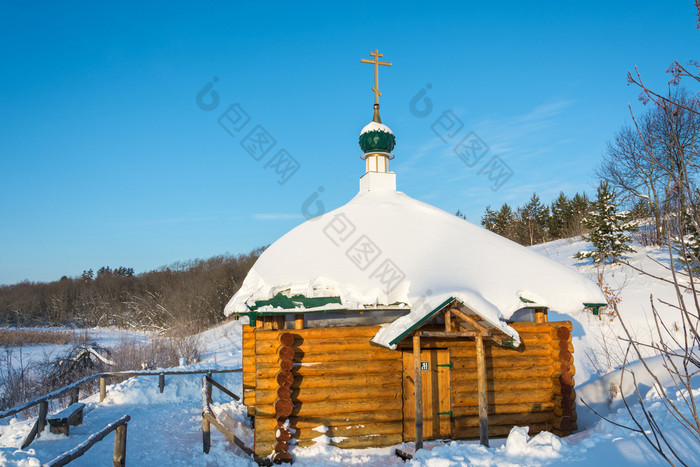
x: 79, y: 450
x: 59, y: 392
x: 208, y: 419
x: 223, y: 389
x: 45, y: 398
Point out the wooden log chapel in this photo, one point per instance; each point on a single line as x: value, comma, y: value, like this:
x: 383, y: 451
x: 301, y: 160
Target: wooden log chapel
x: 388, y: 320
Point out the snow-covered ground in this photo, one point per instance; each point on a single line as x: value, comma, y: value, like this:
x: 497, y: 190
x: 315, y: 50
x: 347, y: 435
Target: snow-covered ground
x: 165, y: 429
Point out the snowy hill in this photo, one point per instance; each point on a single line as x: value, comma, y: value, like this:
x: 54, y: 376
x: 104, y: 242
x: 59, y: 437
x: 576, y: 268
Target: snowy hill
x: 165, y: 429
x: 592, y: 335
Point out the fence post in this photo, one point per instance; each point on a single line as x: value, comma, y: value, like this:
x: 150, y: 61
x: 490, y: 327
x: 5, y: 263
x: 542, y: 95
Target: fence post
x: 43, y: 410
x: 119, y: 458
x: 161, y: 382
x: 209, y: 399
x: 206, y: 429
x: 103, y: 388
x: 74, y: 395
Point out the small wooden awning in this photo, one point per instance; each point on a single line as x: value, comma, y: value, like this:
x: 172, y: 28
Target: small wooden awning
x: 459, y: 321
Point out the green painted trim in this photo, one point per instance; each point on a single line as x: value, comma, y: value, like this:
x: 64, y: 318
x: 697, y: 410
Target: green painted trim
x: 448, y: 365
x: 423, y: 320
x: 525, y: 300
x: 595, y: 307
x: 303, y: 311
x: 445, y: 413
x: 296, y: 301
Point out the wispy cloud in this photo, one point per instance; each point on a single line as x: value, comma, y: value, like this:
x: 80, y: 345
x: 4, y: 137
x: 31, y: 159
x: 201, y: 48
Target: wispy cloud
x: 528, y: 135
x: 522, y: 140
x: 276, y: 216
x: 185, y: 219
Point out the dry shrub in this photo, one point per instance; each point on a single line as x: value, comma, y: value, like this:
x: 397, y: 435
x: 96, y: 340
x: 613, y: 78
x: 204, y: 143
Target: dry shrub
x: 21, y: 381
x: 20, y: 337
x: 158, y: 352
x: 17, y: 382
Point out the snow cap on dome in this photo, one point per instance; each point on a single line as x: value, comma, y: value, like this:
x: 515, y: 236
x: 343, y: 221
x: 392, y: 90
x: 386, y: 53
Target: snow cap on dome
x: 374, y: 126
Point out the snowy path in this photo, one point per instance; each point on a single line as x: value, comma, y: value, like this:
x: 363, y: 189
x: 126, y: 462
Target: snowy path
x: 165, y: 429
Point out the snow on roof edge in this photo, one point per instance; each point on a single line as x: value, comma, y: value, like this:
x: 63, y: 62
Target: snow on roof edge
x: 390, y: 334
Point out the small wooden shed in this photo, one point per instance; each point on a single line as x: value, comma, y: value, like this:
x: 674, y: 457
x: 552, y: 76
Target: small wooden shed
x: 389, y: 320
x: 301, y: 383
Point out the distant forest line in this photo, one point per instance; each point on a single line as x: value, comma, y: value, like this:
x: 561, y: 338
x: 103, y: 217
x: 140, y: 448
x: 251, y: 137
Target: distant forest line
x: 188, y: 295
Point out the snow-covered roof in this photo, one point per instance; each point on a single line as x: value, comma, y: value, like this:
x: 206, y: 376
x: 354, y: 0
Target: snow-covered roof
x: 374, y: 126
x: 385, y: 248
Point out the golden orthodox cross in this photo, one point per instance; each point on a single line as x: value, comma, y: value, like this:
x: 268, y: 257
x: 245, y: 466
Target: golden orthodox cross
x: 376, y: 63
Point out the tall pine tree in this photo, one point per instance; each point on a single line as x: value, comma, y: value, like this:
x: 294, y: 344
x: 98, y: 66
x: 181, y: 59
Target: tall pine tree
x: 534, y: 217
x: 561, y: 216
x: 580, y: 205
x: 501, y: 222
x: 608, y: 229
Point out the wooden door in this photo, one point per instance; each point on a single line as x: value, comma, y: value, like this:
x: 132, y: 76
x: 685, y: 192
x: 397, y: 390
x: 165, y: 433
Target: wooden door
x: 437, y: 395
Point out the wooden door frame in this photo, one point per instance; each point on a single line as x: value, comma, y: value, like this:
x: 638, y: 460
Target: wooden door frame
x: 433, y: 423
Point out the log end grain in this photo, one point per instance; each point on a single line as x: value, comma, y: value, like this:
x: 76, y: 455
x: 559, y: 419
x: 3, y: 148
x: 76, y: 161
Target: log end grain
x: 283, y: 407
x: 286, y: 365
x: 285, y: 378
x: 285, y: 352
x: 563, y: 333
x: 286, y: 338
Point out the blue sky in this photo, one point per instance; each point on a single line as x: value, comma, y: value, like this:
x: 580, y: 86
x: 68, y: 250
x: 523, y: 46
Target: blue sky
x: 106, y: 158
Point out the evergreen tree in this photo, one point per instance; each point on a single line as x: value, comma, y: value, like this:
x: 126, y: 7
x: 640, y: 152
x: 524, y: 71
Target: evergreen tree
x: 534, y: 217
x: 608, y: 229
x: 689, y: 251
x: 104, y: 271
x: 501, y: 222
x: 580, y: 205
x: 488, y: 220
x: 561, y: 216
x: 504, y: 222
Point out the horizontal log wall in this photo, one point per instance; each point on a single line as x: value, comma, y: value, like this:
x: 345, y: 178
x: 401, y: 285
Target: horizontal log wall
x: 529, y: 386
x: 354, y: 389
x: 340, y: 382
x: 249, y: 368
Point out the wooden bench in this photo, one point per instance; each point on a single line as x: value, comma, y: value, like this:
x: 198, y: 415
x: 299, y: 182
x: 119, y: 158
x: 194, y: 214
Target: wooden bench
x: 71, y: 415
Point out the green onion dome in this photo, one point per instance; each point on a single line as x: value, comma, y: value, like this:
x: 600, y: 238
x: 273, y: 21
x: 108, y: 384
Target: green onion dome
x: 377, y: 137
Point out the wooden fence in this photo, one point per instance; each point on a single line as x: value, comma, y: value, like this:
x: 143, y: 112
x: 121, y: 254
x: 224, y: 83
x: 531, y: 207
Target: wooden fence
x: 119, y: 458
x: 74, y: 390
x: 208, y: 419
